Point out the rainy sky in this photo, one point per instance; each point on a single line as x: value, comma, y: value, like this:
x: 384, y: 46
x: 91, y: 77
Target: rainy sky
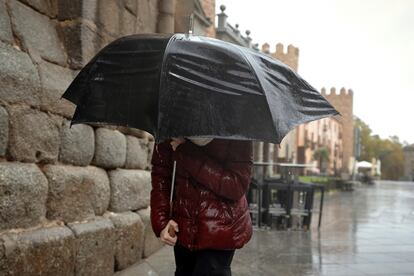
x: 365, y: 45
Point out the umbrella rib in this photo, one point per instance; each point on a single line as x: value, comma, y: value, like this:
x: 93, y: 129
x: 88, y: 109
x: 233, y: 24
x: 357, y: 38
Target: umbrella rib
x: 220, y: 82
x: 249, y: 62
x: 146, y: 52
x: 130, y: 72
x: 209, y: 87
x: 236, y: 73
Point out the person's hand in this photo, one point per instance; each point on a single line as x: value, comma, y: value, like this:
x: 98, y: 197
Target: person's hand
x: 176, y: 142
x: 165, y: 235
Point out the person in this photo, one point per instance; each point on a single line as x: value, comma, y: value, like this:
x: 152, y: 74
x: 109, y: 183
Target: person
x: 210, y: 216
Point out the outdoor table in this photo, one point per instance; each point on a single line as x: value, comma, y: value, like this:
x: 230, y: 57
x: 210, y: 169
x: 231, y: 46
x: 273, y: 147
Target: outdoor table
x: 309, y: 188
x: 289, y: 183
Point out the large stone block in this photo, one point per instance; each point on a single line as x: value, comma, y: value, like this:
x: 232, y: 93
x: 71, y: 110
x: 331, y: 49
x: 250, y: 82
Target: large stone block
x: 34, y: 136
x: 5, y: 26
x: 45, y: 251
x: 106, y: 15
x: 18, y: 77
x: 167, y: 7
x: 151, y: 243
x: 165, y: 23
x: 82, y: 41
x: 37, y: 32
x: 127, y: 23
x: 131, y: 6
x: 101, y: 191
x: 110, y: 148
x: 54, y: 80
x: 95, y: 243
x: 147, y: 18
x: 151, y: 146
x: 129, y: 131
x: 137, y: 153
x: 130, y: 189
x: 23, y: 193
x: 77, y: 144
x: 129, y: 238
x: 71, y: 31
x: 69, y: 193
x: 68, y: 10
x: 4, y: 134
x: 48, y: 7
x: 93, y: 40
x: 76, y: 193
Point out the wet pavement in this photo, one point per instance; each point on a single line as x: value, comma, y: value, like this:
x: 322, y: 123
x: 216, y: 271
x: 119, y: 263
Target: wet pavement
x: 369, y: 231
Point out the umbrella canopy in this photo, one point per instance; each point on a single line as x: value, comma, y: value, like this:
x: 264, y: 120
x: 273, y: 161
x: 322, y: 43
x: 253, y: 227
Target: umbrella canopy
x: 180, y: 85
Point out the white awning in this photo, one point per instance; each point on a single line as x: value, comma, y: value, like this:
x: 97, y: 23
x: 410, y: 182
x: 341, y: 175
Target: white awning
x: 364, y: 164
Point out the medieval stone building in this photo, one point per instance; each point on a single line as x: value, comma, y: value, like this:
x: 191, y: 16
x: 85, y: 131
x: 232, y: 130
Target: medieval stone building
x: 333, y: 134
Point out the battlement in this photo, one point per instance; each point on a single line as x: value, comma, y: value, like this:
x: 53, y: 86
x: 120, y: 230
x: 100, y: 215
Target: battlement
x: 342, y: 100
x: 340, y: 93
x: 266, y: 48
x: 290, y: 57
x: 292, y: 51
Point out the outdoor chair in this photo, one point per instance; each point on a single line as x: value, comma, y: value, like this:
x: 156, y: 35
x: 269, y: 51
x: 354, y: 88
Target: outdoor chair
x: 255, y: 201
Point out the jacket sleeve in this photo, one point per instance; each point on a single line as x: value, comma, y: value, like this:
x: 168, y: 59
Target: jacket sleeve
x: 230, y: 179
x: 161, y: 184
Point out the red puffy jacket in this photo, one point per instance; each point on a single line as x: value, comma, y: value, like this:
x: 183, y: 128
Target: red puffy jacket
x: 209, y: 206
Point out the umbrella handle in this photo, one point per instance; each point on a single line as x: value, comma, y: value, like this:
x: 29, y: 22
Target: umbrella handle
x: 172, y: 187
x: 171, y: 230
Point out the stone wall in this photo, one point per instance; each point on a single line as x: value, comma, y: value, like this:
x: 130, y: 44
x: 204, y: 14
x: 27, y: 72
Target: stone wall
x: 73, y: 200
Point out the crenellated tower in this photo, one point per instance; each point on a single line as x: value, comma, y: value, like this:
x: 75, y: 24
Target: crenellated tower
x: 290, y: 57
x: 343, y: 102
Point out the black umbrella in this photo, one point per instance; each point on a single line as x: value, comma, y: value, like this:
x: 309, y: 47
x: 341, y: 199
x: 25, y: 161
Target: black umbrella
x: 183, y: 85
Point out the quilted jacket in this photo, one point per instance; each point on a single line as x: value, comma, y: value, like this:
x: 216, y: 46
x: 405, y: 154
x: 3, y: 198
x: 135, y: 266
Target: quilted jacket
x: 209, y: 203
